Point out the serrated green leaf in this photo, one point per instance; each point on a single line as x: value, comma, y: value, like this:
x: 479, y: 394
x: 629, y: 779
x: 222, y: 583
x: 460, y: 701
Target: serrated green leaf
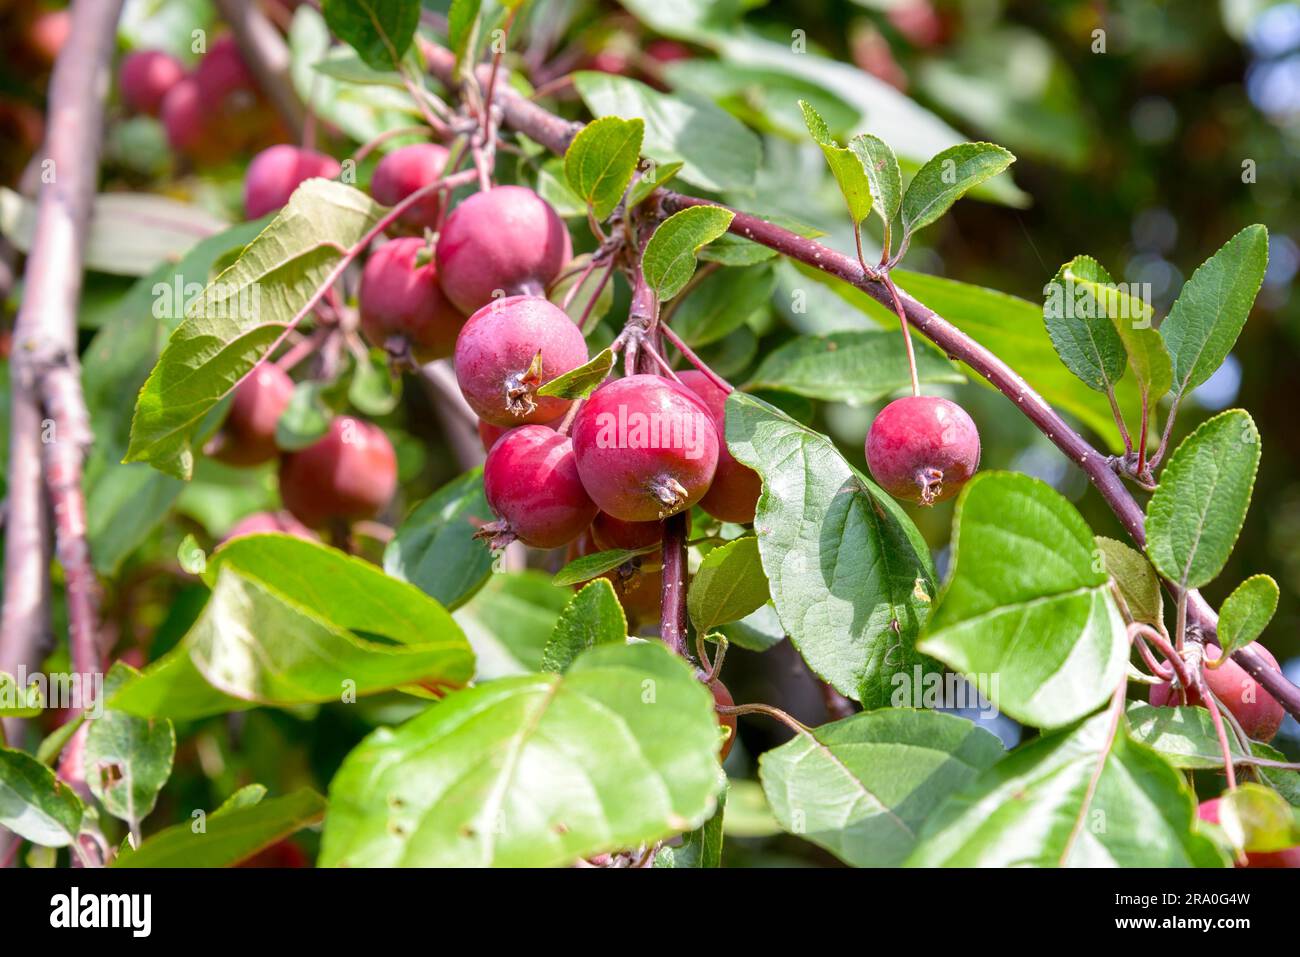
x: 1197, y: 511
x: 659, y: 174
x: 36, y: 805
x: 945, y: 177
x: 127, y: 759
x: 850, y: 575
x: 380, y: 31
x: 1080, y: 329
x: 596, y: 564
x: 477, y: 780
x: 883, y: 175
x: 729, y: 585
x: 668, y: 261
x: 1207, y: 317
x: 845, y: 165
x: 306, y: 418
x: 700, y: 848
x: 601, y: 160
x: 1137, y: 581
x: 757, y: 631
x: 862, y: 787
x: 1077, y: 798
x: 592, y: 617
x: 1184, y: 735
x: 1027, y: 603
x: 18, y: 702
x: 1246, y: 612
x: 461, y: 17
x: 583, y: 381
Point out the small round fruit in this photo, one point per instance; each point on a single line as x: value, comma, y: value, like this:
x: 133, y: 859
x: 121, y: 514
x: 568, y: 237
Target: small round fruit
x: 183, y: 117
x: 401, y: 299
x: 277, y: 171
x: 647, y: 448
x: 722, y: 698
x: 401, y: 173
x: 247, y: 436
x: 610, y: 532
x: 923, y: 449
x: 1257, y: 711
x: 733, y: 496
x: 145, y: 78
x: 531, y: 483
x: 350, y: 473
x: 262, y: 523
x: 222, y: 71
x: 507, y: 350
x: 1287, y: 857
x: 489, y: 433
x: 503, y: 241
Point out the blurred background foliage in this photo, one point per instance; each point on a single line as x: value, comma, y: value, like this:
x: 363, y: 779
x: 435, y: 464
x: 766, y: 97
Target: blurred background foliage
x: 1147, y: 132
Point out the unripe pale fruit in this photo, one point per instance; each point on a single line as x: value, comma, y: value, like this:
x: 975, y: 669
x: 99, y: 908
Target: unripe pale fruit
x: 277, y: 171
x: 647, y: 448
x: 1288, y: 857
x: 400, y: 299
x: 1257, y: 711
x: 247, y: 437
x: 609, y: 532
x: 262, y: 523
x: 349, y: 473
x: 507, y: 350
x: 401, y: 173
x: 504, y: 241
x: 531, y: 483
x: 222, y: 71
x: 923, y: 449
x: 145, y: 78
x: 733, y: 496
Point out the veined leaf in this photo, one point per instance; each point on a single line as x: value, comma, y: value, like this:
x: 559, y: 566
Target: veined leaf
x: 36, y: 805
x: 881, y: 167
x: 592, y: 617
x: 380, y: 31
x: 728, y: 585
x: 1137, y: 581
x: 600, y: 161
x: 668, y: 261
x: 1246, y: 612
x: 583, y: 381
x: 845, y: 166
x: 945, y: 177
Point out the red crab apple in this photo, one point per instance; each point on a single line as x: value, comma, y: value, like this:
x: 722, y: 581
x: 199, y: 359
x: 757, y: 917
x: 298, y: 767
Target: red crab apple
x: 638, y: 583
x: 184, y: 117
x: 489, y: 433
x: 647, y: 448
x: 531, y: 483
x: 350, y: 473
x: 222, y: 71
x: 923, y: 449
x: 145, y: 78
x: 401, y: 173
x: 733, y: 496
x: 247, y: 437
x: 1257, y: 711
x: 262, y: 523
x: 508, y: 349
x: 722, y: 698
x: 277, y: 171
x: 503, y: 241
x: 609, y: 532
x: 400, y: 299
x: 1287, y: 857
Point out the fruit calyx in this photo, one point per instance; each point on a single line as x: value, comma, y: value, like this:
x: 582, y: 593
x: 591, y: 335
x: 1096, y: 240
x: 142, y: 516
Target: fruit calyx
x: 521, y: 386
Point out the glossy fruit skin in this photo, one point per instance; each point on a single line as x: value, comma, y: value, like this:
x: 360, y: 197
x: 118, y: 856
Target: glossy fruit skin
x: 247, y: 437
x: 403, y: 171
x: 183, y: 116
x: 277, y: 171
x: 349, y: 473
x: 145, y: 77
x: 531, y: 482
x: 399, y: 298
x: 733, y: 496
x: 1255, y: 709
x: 923, y: 449
x: 609, y: 532
x: 722, y: 697
x: 503, y: 241
x: 262, y: 523
x: 222, y: 71
x: 489, y: 433
x: 497, y: 345
x: 1288, y: 857
x: 647, y: 447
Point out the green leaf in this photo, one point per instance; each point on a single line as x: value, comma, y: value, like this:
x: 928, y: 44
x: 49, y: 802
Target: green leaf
x: 306, y: 418
x: 668, y: 261
x: 36, y: 805
x: 881, y: 168
x: 757, y: 631
x: 583, y: 381
x: 723, y: 302
x: 717, y: 151
x: 434, y: 548
x: 596, y: 564
x: 700, y: 848
x: 250, y: 795
x: 241, y: 316
x: 1207, y: 317
x: 461, y: 17
x: 729, y: 585
x: 1184, y: 735
x: 850, y: 575
x: 18, y: 702
x: 127, y: 759
x: 380, y: 31
x: 1197, y: 511
x: 658, y: 174
x: 479, y: 780
x: 1077, y: 798
x: 290, y: 622
x: 1136, y: 579
x: 1026, y: 603
x: 373, y: 388
x: 1080, y: 328
x: 862, y: 787
x: 230, y: 835
x: 853, y: 367
x: 1257, y: 818
x: 942, y: 181
x: 1246, y: 612
x: 845, y: 165
x: 592, y: 617
x: 510, y: 621
x: 601, y: 160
